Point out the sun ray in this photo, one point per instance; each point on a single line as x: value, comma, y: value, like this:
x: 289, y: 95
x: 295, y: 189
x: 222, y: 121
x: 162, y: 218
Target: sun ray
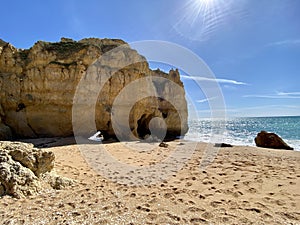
x: 199, y: 19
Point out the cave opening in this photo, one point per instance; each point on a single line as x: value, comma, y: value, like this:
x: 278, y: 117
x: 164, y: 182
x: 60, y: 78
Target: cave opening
x: 143, y: 125
x: 20, y: 107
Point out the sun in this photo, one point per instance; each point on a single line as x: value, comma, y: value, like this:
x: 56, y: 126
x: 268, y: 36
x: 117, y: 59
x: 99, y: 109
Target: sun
x: 201, y: 18
x: 205, y: 3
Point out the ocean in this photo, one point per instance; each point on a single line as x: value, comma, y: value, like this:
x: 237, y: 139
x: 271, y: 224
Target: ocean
x: 242, y: 131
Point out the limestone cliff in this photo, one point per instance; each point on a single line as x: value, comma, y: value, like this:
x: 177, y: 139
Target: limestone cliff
x: 37, y: 88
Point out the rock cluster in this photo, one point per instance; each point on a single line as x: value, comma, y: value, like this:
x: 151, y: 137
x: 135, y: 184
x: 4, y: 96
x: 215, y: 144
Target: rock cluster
x: 25, y: 170
x: 270, y: 140
x: 37, y: 88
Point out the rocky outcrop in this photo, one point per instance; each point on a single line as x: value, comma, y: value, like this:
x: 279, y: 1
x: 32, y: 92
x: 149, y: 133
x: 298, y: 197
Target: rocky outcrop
x: 25, y: 170
x: 37, y: 88
x: 270, y: 140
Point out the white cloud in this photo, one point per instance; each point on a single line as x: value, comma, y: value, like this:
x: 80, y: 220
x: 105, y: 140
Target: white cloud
x: 205, y: 100
x: 288, y: 93
x: 251, y: 111
x: 277, y: 95
x: 223, y: 81
x: 265, y: 110
x: 230, y: 87
x: 285, y: 42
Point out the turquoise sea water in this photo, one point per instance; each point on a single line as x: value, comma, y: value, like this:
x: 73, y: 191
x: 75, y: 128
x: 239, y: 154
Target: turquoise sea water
x: 242, y: 131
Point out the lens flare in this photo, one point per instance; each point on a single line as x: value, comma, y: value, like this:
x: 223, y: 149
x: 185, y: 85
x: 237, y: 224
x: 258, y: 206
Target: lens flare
x: 199, y: 19
x: 205, y: 1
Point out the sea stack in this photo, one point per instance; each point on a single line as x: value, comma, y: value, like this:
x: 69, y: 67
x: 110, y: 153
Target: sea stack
x: 37, y: 88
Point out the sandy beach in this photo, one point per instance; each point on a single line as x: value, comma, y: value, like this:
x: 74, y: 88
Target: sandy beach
x: 243, y: 185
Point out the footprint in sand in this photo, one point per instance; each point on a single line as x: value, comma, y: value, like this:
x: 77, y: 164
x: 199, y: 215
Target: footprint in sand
x: 206, y: 182
x: 153, y: 200
x: 180, y: 200
x: 152, y: 216
x: 215, y: 204
x: 246, y: 183
x: 207, y: 215
x: 168, y: 195
x: 267, y: 216
x: 292, y: 215
x: 173, y: 217
x: 236, y: 185
x: 225, y: 219
x: 237, y: 194
x: 143, y: 208
x: 244, y: 221
x: 194, y: 210
x: 252, y: 190
x: 260, y: 205
x: 228, y: 191
x: 222, y: 174
x: 133, y: 195
x: 280, y: 202
x: 254, y: 210
x: 197, y: 220
x: 201, y: 196
x: 245, y: 203
x: 190, y: 203
x: 188, y: 184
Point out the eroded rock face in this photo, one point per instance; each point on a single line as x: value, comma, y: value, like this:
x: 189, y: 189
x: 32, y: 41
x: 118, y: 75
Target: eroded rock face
x: 270, y: 140
x: 37, y: 88
x: 5, y: 132
x: 25, y: 170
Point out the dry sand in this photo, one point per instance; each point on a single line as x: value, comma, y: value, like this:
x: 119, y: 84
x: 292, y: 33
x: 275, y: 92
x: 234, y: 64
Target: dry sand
x: 243, y: 185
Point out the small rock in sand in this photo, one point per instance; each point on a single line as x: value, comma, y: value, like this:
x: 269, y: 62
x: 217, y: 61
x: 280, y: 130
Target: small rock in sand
x: 223, y: 145
x: 163, y: 144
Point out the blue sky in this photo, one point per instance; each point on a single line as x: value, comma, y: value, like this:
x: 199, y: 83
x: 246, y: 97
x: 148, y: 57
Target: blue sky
x: 252, y: 46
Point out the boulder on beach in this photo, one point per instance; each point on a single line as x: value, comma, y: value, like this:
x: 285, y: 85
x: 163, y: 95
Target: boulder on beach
x: 270, y: 140
x: 25, y: 170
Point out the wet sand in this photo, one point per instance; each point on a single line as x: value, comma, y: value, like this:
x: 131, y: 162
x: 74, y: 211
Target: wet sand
x: 243, y: 185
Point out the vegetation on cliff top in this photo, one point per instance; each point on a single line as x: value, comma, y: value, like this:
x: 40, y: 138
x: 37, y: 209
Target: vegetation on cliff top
x: 65, y: 49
